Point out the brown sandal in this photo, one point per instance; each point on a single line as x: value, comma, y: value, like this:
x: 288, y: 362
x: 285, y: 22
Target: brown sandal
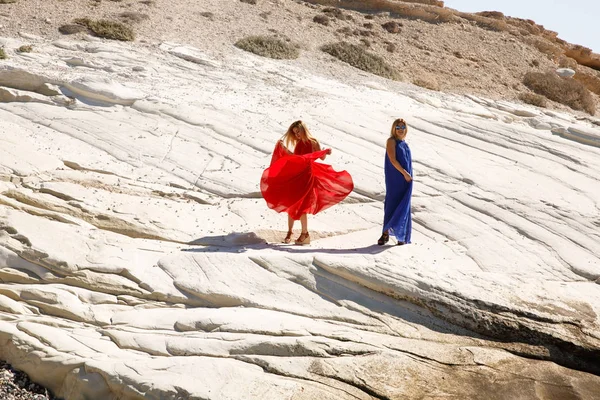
x: 304, y: 238
x: 385, y: 237
x: 288, y: 238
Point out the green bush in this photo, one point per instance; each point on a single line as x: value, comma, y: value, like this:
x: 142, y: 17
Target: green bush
x: 107, y: 29
x: 359, y: 58
x: 566, y: 91
x: 271, y: 47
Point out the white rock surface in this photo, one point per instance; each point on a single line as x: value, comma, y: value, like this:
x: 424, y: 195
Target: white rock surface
x: 137, y: 259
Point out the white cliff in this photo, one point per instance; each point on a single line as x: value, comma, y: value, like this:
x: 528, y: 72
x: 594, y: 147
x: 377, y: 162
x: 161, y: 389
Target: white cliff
x: 138, y: 260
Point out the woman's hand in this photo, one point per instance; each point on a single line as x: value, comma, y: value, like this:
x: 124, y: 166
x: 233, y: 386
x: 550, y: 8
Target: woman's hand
x: 328, y: 151
x: 407, y: 176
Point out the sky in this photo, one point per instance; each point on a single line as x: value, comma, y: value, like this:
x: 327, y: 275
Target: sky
x: 576, y: 21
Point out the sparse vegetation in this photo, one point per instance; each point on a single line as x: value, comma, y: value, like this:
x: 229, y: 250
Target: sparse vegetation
x: 7, y: 1
x: 26, y: 48
x: 207, y: 14
x: 271, y: 47
x: 533, y: 99
x: 391, y: 26
x: 3, y: 55
x: 566, y: 91
x: 107, y: 29
x: 70, y: 29
x: 427, y: 82
x: 545, y: 46
x: 322, y: 19
x: 336, y: 13
x: 359, y: 58
x: 491, y: 14
x: 253, y: 2
x: 346, y: 30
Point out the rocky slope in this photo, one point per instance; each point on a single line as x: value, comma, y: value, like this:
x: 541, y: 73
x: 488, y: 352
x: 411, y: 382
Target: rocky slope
x: 432, y: 45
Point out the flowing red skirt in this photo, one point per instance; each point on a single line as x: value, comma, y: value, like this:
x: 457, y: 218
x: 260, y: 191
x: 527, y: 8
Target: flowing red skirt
x: 298, y: 185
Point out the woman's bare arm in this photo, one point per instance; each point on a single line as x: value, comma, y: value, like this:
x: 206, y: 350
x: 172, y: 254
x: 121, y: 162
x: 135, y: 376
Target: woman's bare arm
x: 316, y: 146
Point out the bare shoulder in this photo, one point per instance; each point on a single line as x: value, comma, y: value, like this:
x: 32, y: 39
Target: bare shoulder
x: 390, y: 141
x: 315, y: 144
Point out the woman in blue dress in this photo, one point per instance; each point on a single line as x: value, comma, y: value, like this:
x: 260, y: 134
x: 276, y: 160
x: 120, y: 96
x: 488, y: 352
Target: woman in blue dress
x: 398, y: 186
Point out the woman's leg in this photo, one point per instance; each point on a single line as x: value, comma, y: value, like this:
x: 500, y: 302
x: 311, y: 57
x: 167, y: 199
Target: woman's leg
x: 304, y: 222
x: 304, y: 238
x: 288, y: 237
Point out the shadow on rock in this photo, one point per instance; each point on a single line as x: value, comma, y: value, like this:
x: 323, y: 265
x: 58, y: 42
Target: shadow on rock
x: 239, y: 242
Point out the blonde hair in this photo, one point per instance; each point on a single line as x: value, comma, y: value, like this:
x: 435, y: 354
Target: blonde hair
x: 398, y: 121
x: 290, y: 140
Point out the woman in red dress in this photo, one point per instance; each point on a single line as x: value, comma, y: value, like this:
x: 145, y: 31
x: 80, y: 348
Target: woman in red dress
x: 297, y: 184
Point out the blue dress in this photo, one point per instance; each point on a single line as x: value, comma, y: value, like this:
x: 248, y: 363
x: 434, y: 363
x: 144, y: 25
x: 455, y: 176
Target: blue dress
x: 397, y: 218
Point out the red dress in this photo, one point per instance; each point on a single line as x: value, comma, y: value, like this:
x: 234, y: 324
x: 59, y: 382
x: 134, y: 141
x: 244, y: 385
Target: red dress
x: 298, y: 185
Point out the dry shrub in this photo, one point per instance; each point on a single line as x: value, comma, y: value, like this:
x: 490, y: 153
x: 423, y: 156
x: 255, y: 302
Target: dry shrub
x: 3, y: 55
x: 7, y: 1
x: 392, y: 27
x: 207, y: 14
x: 107, y: 29
x: 253, y: 2
x: 544, y: 46
x: 346, y: 30
x: 567, y: 62
x: 390, y: 47
x: 566, y: 91
x: 26, y: 48
x: 534, y: 99
x: 70, y: 29
x: 368, y: 25
x: 336, y: 13
x: 268, y: 46
x: 359, y: 58
x: 491, y: 14
x: 427, y: 82
x: 322, y: 19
